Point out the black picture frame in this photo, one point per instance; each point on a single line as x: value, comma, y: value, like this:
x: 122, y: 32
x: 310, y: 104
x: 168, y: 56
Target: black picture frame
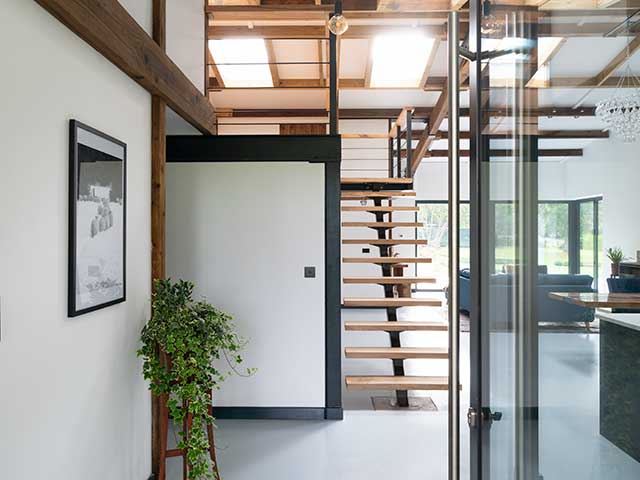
x: 108, y: 156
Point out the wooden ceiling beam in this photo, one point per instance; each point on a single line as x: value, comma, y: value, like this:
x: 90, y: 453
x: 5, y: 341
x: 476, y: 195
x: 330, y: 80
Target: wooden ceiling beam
x: 316, y: 31
x: 617, y: 62
x: 429, y: 65
x: 548, y: 152
x: 118, y: 37
x: 420, y: 113
x: 302, y: 32
x: 273, y: 67
x: 261, y: 13
x: 425, y: 140
x: 542, y: 134
x: 458, y: 4
x: 211, y: 63
x: 578, y: 82
x: 414, y: 5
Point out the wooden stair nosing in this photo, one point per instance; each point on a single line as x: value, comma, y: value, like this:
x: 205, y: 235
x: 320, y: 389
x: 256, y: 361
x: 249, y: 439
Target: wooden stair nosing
x: 390, y: 260
x: 391, y: 241
x: 387, y: 280
x: 382, y: 224
x: 389, y: 382
x: 397, y: 353
x: 358, y: 195
x: 382, y: 326
x: 376, y: 180
x: 374, y: 209
x: 392, y: 302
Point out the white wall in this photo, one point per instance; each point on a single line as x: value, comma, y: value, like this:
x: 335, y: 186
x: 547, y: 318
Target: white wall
x: 72, y: 399
x: 185, y: 38
x: 185, y: 46
x: 243, y: 233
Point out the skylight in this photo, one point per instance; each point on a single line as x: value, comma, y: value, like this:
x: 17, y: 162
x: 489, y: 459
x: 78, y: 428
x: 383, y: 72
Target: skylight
x: 252, y: 52
x: 399, y: 60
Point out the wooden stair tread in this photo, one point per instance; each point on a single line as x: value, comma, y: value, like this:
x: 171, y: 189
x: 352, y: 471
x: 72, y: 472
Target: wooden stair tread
x: 388, y: 280
x: 397, y: 352
x: 378, y: 180
x: 390, y: 241
x: 380, y: 209
x: 392, y: 302
x: 359, y: 195
x: 390, y: 382
x: 382, y: 224
x: 391, y: 260
x: 381, y: 326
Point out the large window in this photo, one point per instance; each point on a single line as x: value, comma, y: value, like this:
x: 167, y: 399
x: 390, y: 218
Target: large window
x: 568, y: 238
x: 434, y: 215
x: 553, y: 236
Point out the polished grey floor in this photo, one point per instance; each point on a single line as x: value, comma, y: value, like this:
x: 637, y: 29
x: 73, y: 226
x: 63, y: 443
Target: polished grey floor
x: 413, y: 445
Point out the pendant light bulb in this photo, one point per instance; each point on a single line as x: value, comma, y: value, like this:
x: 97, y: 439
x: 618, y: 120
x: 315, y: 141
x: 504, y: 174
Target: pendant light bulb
x: 338, y: 24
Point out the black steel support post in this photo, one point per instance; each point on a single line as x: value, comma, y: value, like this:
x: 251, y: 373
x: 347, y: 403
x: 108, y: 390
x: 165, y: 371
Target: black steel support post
x: 479, y: 248
x: 333, y: 76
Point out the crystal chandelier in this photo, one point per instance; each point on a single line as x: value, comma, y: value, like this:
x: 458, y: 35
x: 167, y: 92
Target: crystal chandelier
x: 621, y: 113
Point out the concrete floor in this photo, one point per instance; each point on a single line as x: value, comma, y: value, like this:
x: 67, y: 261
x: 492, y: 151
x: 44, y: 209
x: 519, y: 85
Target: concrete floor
x: 413, y: 445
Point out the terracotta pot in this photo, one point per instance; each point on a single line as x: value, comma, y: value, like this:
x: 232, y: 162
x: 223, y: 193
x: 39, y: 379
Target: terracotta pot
x: 615, y: 269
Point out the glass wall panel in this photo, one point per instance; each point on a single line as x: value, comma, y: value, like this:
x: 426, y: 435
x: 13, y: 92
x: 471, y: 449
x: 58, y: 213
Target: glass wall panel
x: 554, y: 187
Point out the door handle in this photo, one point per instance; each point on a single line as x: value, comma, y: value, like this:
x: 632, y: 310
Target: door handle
x: 489, y: 417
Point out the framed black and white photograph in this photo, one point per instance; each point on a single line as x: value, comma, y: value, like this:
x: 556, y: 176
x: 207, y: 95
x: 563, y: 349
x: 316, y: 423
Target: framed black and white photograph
x: 97, y: 219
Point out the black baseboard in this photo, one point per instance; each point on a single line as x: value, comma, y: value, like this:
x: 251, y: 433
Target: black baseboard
x: 277, y: 413
x: 362, y: 308
x: 152, y: 477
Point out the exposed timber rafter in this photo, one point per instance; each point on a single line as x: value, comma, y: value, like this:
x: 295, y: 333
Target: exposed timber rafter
x: 619, y: 60
x: 109, y: 28
x: 273, y: 66
x: 420, y: 113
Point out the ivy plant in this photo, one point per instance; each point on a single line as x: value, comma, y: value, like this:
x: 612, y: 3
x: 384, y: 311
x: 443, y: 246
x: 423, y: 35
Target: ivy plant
x: 179, y: 345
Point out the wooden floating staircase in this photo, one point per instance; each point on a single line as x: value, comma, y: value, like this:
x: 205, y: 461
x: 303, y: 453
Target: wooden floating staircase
x: 386, y: 260
x: 387, y: 280
x: 377, y: 191
x: 395, y: 326
x: 384, y: 241
x: 392, y: 382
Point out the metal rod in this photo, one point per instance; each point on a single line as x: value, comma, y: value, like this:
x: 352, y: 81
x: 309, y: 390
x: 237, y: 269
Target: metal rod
x: 399, y: 148
x: 390, y: 148
x: 409, y: 171
x: 454, y: 247
x: 333, y: 77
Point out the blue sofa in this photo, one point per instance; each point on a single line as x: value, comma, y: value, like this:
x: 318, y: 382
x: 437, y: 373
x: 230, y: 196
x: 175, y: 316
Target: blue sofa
x: 624, y: 285
x: 549, y: 310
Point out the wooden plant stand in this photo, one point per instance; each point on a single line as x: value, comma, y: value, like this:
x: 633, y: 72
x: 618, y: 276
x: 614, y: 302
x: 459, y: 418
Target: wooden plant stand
x: 176, y: 452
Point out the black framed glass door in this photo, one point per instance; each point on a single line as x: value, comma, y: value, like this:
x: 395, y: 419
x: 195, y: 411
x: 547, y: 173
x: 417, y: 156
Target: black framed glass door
x: 504, y: 224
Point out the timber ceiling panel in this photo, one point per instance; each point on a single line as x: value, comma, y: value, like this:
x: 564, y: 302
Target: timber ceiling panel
x: 296, y: 51
x: 353, y: 57
x: 269, y: 98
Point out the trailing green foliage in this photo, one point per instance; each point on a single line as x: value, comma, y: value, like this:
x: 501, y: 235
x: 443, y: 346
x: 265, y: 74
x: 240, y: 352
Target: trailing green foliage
x: 615, y: 255
x: 192, y: 334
